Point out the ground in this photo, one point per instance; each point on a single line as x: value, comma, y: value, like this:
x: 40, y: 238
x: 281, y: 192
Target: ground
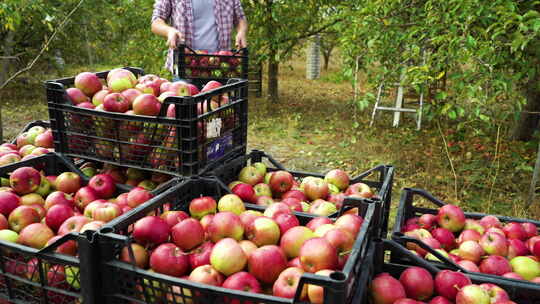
x: 316, y: 127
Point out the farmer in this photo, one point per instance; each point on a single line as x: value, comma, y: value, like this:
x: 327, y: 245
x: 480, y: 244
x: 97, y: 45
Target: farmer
x: 200, y: 24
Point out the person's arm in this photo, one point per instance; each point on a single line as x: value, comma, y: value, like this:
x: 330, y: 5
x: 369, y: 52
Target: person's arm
x: 241, y: 33
x: 159, y: 27
x: 241, y: 25
x: 162, y: 11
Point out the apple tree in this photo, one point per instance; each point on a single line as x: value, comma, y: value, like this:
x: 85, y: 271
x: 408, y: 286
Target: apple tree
x: 488, y: 51
x: 276, y: 27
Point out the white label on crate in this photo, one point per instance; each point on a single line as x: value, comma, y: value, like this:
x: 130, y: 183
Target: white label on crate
x: 213, y: 128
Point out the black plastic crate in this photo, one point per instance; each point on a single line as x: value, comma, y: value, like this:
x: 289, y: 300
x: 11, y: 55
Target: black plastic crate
x: 384, y: 176
x: 22, y: 284
x: 182, y: 145
x: 125, y: 283
x: 376, y: 262
x: 200, y: 68
x: 41, y: 123
x: 407, y: 210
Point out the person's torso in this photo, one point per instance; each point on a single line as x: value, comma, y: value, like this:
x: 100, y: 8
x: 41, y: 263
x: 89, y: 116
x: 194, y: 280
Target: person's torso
x: 205, y: 32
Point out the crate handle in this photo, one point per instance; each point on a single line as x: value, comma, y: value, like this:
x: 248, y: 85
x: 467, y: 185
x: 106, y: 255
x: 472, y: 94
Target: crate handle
x: 415, y: 191
x: 402, y: 238
x: 392, y: 245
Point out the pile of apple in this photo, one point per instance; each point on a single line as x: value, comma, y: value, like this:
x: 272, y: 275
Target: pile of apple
x: 34, y: 142
x: 221, y: 64
x: 416, y: 285
x: 125, y: 93
x: 510, y: 249
x: 36, y: 210
x: 223, y: 244
x: 319, y: 196
x: 128, y: 176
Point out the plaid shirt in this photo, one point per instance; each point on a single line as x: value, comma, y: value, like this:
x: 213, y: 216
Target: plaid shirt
x: 179, y: 14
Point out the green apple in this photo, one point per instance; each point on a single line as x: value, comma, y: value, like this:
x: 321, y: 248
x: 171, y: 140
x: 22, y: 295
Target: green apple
x: 260, y: 167
x: 333, y: 189
x: 44, y: 187
x: 72, y: 276
x: 525, y: 267
x: 9, y: 235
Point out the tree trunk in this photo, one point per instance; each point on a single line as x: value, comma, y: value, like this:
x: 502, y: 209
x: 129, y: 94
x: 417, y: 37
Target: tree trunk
x: 4, y: 70
x: 273, y: 71
x: 528, y: 122
x: 326, y: 55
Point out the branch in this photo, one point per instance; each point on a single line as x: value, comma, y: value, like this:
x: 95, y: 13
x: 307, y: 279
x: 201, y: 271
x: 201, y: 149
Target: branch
x: 311, y: 33
x: 45, y: 46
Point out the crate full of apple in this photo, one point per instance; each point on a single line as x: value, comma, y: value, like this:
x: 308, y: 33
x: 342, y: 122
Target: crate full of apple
x: 199, y: 243
x: 36, y: 139
x: 201, y: 64
x: 420, y: 282
x: 495, y: 246
x: 45, y: 206
x: 259, y: 179
x: 127, y: 118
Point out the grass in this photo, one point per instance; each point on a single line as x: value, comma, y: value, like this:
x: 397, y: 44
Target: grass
x: 315, y: 127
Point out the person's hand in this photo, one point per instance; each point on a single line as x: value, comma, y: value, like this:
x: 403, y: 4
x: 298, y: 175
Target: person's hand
x: 174, y: 38
x: 241, y: 40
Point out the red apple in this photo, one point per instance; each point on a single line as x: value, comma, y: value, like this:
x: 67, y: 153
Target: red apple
x: 169, y: 259
x: 202, y: 206
x: 103, y: 185
x: 293, y: 203
x: 68, y: 182
x: 275, y: 209
x: 515, y: 230
x: 469, y: 235
x: 445, y: 237
x: 263, y: 231
x: 316, y: 188
x: 174, y: 217
x: 321, y: 207
x: 243, y: 281
x: 85, y: 196
x: 88, y: 83
x: 21, y: 217
x: 25, y: 180
x: 494, y: 244
x: 447, y: 283
x: 201, y: 255
x: 513, y: 275
x: 137, y: 196
x: 45, y: 140
x: 187, y: 234
x: 359, y: 190
x: 248, y: 247
x: 76, y: 96
x: 338, y: 178
x: 489, y: 221
x: 471, y: 250
x: 115, y: 102
x: 93, y: 225
x: 350, y: 223
x: 266, y: 263
x: 106, y: 212
x: 8, y: 202
x: 3, y: 222
x: 451, y: 217
x: 516, y: 248
x: 151, y: 230
x: 319, y: 221
x: 35, y: 235
x: 130, y: 95
x: 206, y: 274
x: 418, y: 283
x: 427, y: 221
x: 69, y: 247
x: 281, y: 181
x: 73, y: 224
x: 58, y: 198
x: 496, y: 265
x: 57, y: 215
x: 225, y: 224
x: 385, y: 289
x: 287, y: 282
x: 146, y: 104
x: 119, y: 80
x: 317, y: 254
x: 264, y: 201
x: 247, y: 217
x: 468, y: 265
x: 286, y: 221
